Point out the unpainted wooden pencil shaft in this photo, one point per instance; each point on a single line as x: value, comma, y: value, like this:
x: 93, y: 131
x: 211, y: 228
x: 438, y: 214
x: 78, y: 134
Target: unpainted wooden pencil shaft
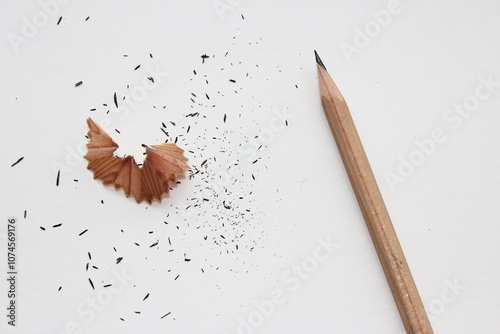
x: 372, y: 206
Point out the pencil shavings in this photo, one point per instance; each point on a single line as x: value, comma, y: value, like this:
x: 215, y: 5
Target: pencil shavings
x: 161, y: 167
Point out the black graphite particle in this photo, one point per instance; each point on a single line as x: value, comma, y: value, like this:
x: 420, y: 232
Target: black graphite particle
x: 18, y: 161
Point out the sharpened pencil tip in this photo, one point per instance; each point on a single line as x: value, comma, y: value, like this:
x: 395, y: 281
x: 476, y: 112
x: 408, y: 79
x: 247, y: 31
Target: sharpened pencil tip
x: 318, y: 60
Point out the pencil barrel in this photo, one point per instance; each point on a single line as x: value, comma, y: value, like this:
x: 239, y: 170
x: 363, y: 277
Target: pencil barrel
x: 372, y: 206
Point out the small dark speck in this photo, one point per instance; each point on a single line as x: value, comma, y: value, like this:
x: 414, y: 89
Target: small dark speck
x: 115, y: 100
x: 18, y: 161
x: 59, y: 288
x: 203, y: 57
x: 42, y: 228
x: 88, y: 17
x: 118, y: 260
x: 117, y: 131
x: 151, y: 55
x: 90, y: 255
x: 78, y: 83
x: 187, y: 260
x: 91, y: 284
x: 57, y: 178
x: 145, y: 297
x: 176, y: 277
x: 242, y: 16
x: 83, y: 232
x: 59, y: 21
x: 225, y: 117
x: 57, y: 225
x: 137, y: 67
x: 232, y: 80
x: 163, y: 316
x: 25, y: 214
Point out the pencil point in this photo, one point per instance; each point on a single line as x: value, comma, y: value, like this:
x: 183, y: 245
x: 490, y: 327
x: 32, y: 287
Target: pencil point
x: 318, y: 60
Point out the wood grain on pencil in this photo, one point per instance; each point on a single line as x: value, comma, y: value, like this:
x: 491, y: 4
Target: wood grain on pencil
x: 372, y: 206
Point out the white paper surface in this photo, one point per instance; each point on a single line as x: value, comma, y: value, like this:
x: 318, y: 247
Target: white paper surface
x: 422, y: 80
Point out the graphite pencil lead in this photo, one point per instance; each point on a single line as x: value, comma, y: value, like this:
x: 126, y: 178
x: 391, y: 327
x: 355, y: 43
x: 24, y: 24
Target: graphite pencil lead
x: 318, y: 60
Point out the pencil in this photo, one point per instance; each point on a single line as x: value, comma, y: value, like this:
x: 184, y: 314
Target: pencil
x: 372, y: 205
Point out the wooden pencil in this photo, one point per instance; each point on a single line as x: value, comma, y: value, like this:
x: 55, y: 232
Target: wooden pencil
x: 372, y: 205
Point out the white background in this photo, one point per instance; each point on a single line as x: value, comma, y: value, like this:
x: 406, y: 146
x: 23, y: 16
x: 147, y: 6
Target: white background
x: 400, y: 84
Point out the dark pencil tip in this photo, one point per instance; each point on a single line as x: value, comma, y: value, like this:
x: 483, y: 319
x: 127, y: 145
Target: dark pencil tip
x: 318, y: 60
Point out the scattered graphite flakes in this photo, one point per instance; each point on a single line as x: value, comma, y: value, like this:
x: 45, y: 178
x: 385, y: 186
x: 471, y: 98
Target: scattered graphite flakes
x: 78, y: 83
x: 18, y: 161
x: 118, y: 260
